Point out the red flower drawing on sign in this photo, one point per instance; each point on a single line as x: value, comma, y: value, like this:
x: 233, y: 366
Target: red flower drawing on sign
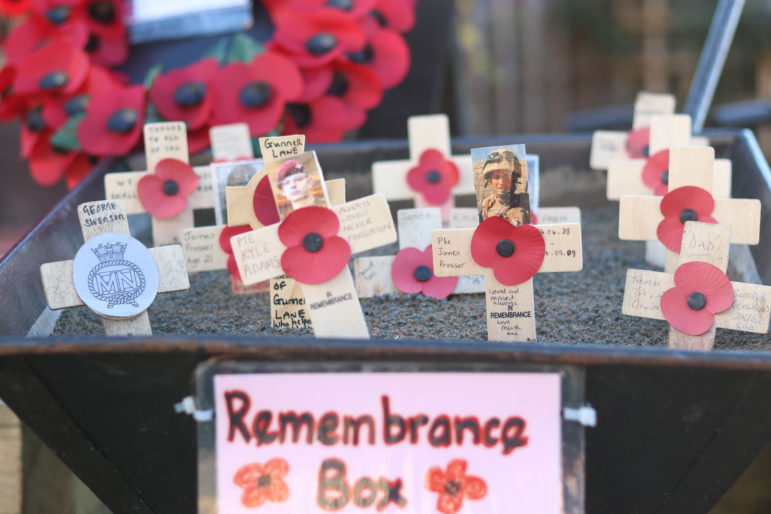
x: 514, y: 253
x: 314, y: 252
x: 113, y: 121
x: 263, y: 483
x: 688, y: 203
x: 433, y: 177
x: 655, y: 173
x: 225, y: 236
x: 701, y: 291
x: 164, y: 192
x: 185, y: 94
x: 637, y: 142
x: 413, y: 272
x: 454, y: 486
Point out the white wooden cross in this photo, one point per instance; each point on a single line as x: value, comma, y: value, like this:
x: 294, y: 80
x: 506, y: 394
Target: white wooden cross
x: 114, y: 274
x: 640, y: 215
x: 609, y: 145
x: 510, y: 308
x: 425, y: 132
x: 702, y: 242
x: 162, y: 140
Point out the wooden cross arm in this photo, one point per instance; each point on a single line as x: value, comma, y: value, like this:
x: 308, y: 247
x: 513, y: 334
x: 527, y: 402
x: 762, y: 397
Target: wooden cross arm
x: 452, y: 250
x: 390, y: 178
x: 639, y: 216
x: 123, y: 186
x: 60, y: 289
x: 625, y: 178
x: 751, y: 311
x: 202, y: 249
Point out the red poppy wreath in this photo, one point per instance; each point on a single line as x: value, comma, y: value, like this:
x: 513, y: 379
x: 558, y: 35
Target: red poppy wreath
x: 326, y: 63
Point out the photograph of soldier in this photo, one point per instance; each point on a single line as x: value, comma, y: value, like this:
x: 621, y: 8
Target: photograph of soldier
x: 297, y: 183
x: 500, y: 177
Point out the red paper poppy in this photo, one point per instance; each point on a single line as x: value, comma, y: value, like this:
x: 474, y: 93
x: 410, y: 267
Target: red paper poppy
x: 263, y: 483
x: 316, y: 82
x: 107, y: 51
x: 35, y: 31
x: 113, y: 121
x: 225, y: 236
x: 322, y: 121
x: 255, y: 93
x: 104, y: 18
x: 13, y: 8
x: 355, y: 8
x: 688, y: 203
x: 314, y: 252
x: 164, y: 192
x: 433, y: 177
x: 264, y: 203
x: 398, y: 15
x: 11, y: 105
x: 185, y: 94
x: 33, y: 129
x: 514, y: 253
x: 701, y: 291
x: 387, y: 54
x: 454, y: 486
x: 198, y: 140
x: 413, y: 272
x: 78, y: 170
x: 355, y: 84
x: 47, y: 165
x: 318, y: 37
x: 655, y: 173
x: 58, y: 109
x: 637, y: 142
x: 57, y: 67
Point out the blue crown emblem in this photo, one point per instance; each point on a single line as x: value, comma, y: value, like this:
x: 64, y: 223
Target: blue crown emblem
x: 109, y: 251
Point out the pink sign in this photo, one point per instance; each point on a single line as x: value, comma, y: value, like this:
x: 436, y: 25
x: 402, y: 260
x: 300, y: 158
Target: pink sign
x: 388, y: 442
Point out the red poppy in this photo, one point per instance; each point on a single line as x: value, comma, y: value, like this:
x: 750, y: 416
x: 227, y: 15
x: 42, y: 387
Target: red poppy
x: 255, y: 93
x: 263, y: 483
x: 264, y: 203
x: 185, y: 94
x: 413, y: 272
x: 514, y: 253
x: 687, y: 203
x: 78, y: 170
x: 701, y: 291
x: 433, y: 177
x: 637, y: 142
x: 13, y: 8
x: 11, y: 105
x: 314, y: 252
x: 454, y: 486
x: 47, y: 164
x: 316, y: 82
x: 355, y: 84
x: 33, y: 128
x: 317, y: 37
x: 655, y: 173
x: 355, y: 8
x: 113, y: 121
x: 398, y: 15
x: 387, y: 54
x: 58, y: 109
x: 57, y: 67
x: 164, y: 192
x: 225, y: 235
x: 35, y: 31
x: 322, y: 121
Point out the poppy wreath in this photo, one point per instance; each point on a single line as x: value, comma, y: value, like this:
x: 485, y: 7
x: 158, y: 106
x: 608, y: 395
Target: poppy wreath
x: 515, y: 253
x: 454, y: 486
x: 687, y: 203
x: 326, y: 64
x: 413, y: 272
x: 433, y: 177
x: 263, y: 483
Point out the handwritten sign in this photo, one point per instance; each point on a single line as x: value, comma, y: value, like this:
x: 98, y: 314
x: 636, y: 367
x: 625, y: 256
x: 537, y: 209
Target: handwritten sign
x: 276, y: 148
x: 288, y: 304
x: 394, y: 442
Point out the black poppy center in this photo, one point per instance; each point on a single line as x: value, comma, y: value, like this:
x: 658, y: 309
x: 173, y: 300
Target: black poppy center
x: 312, y: 242
x: 53, y: 80
x: 344, y: 5
x: 696, y: 301
x: 190, y: 94
x: 665, y: 177
x: 123, y: 121
x: 300, y: 113
x: 362, y: 56
x: 255, y: 94
x: 646, y: 151
x: 103, y: 12
x: 433, y: 177
x: 321, y: 43
x: 452, y: 487
x: 379, y: 17
x: 688, y: 215
x: 422, y: 273
x: 170, y: 187
x: 58, y: 15
x: 505, y: 247
x: 76, y: 105
x: 263, y: 481
x: 339, y: 86
x: 35, y: 121
x: 92, y: 45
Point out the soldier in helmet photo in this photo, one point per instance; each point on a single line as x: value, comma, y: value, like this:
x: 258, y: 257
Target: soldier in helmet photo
x: 504, y: 190
x: 297, y: 184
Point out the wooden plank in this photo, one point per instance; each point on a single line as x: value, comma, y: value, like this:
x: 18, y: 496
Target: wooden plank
x: 372, y: 276
x: 366, y: 223
x: 231, y: 142
x: 669, y: 131
x: 452, y: 253
x: 58, y: 285
x: 625, y: 178
x: 638, y: 217
x: 415, y: 226
x: 563, y: 248
x: 691, y: 166
x: 202, y: 249
x: 510, y: 310
x: 334, y: 308
x: 742, y: 216
x: 10, y: 462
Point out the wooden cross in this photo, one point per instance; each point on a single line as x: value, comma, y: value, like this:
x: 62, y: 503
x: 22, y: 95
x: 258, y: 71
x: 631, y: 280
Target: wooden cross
x: 510, y: 309
x: 162, y: 140
x: 113, y: 274
x: 333, y: 305
x: 230, y: 142
x: 640, y: 215
x: 609, y: 145
x: 702, y: 242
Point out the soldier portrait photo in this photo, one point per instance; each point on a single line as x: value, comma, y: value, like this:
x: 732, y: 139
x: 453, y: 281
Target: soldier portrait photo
x: 500, y: 179
x: 297, y: 183
x: 229, y: 174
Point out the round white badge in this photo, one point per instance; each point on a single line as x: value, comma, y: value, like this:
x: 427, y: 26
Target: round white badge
x: 115, y: 276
